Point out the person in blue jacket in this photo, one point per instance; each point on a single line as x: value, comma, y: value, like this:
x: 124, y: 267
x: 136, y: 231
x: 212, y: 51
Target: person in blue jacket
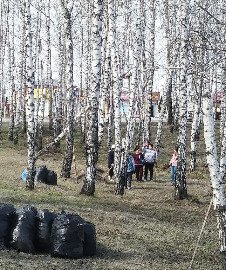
x: 130, y: 170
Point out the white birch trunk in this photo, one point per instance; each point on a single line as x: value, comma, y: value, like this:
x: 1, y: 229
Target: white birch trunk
x: 10, y: 43
x: 161, y: 118
x: 116, y: 92
x: 181, y: 186
x: 30, y: 100
x: 66, y: 16
x: 3, y: 41
x: 37, y: 72
x: 42, y: 110
x: 21, y: 76
x: 59, y: 92
x: 110, y: 118
x: 105, y: 84
x: 195, y: 127
x: 49, y: 67
x: 134, y: 85
x: 223, y: 126
x: 2, y: 50
x: 151, y: 63
x: 92, y: 112
x: 219, y: 202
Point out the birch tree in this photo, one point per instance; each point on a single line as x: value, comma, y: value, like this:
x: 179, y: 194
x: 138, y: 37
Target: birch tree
x: 30, y: 100
x: 67, y: 24
x: 92, y: 112
x: 2, y: 57
x: 134, y: 84
x: 116, y: 92
x: 49, y: 67
x: 180, y: 185
x: 10, y: 43
x: 150, y: 78
x: 219, y: 201
x: 21, y: 73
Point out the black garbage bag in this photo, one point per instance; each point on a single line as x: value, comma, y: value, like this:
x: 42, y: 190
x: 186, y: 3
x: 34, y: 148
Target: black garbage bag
x: 51, y: 178
x: 41, y: 174
x: 45, y: 220
x: 6, y: 216
x: 89, y: 244
x: 67, y: 236
x: 24, y: 229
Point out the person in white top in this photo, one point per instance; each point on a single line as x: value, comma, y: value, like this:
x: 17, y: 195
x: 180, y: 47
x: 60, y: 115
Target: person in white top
x: 149, y: 157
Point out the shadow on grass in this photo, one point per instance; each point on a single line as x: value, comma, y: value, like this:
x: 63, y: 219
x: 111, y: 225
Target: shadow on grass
x: 106, y: 253
x: 147, y: 187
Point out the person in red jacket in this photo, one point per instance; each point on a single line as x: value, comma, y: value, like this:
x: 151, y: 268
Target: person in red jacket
x: 139, y: 161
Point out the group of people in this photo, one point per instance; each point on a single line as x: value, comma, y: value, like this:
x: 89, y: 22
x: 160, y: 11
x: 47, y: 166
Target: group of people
x: 140, y: 163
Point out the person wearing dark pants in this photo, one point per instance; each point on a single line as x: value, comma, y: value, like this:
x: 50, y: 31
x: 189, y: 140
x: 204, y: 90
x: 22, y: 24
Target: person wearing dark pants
x: 130, y: 170
x: 148, y: 167
x: 129, y: 179
x: 149, y: 157
x: 111, y: 156
x: 138, y: 159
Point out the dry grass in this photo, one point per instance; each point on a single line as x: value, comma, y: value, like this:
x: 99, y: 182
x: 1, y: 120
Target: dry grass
x: 144, y: 229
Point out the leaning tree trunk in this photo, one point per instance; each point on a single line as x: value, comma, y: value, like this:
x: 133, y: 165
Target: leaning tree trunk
x: 92, y: 112
x: 180, y: 185
x: 30, y: 100
x: 68, y: 156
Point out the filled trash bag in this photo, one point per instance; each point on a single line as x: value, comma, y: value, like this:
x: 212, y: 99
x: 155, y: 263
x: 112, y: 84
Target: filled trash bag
x: 51, y: 178
x: 24, y: 175
x: 41, y: 174
x: 6, y: 215
x: 45, y: 220
x: 24, y: 229
x: 89, y: 244
x: 67, y: 237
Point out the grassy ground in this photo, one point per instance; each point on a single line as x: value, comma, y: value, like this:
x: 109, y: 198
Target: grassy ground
x: 144, y: 229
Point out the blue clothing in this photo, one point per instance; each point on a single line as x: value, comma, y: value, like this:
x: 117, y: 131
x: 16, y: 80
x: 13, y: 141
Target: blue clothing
x: 24, y: 175
x: 131, y: 164
x: 173, y: 173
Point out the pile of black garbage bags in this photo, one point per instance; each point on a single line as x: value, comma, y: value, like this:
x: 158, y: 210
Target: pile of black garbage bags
x: 42, y: 174
x: 62, y: 235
